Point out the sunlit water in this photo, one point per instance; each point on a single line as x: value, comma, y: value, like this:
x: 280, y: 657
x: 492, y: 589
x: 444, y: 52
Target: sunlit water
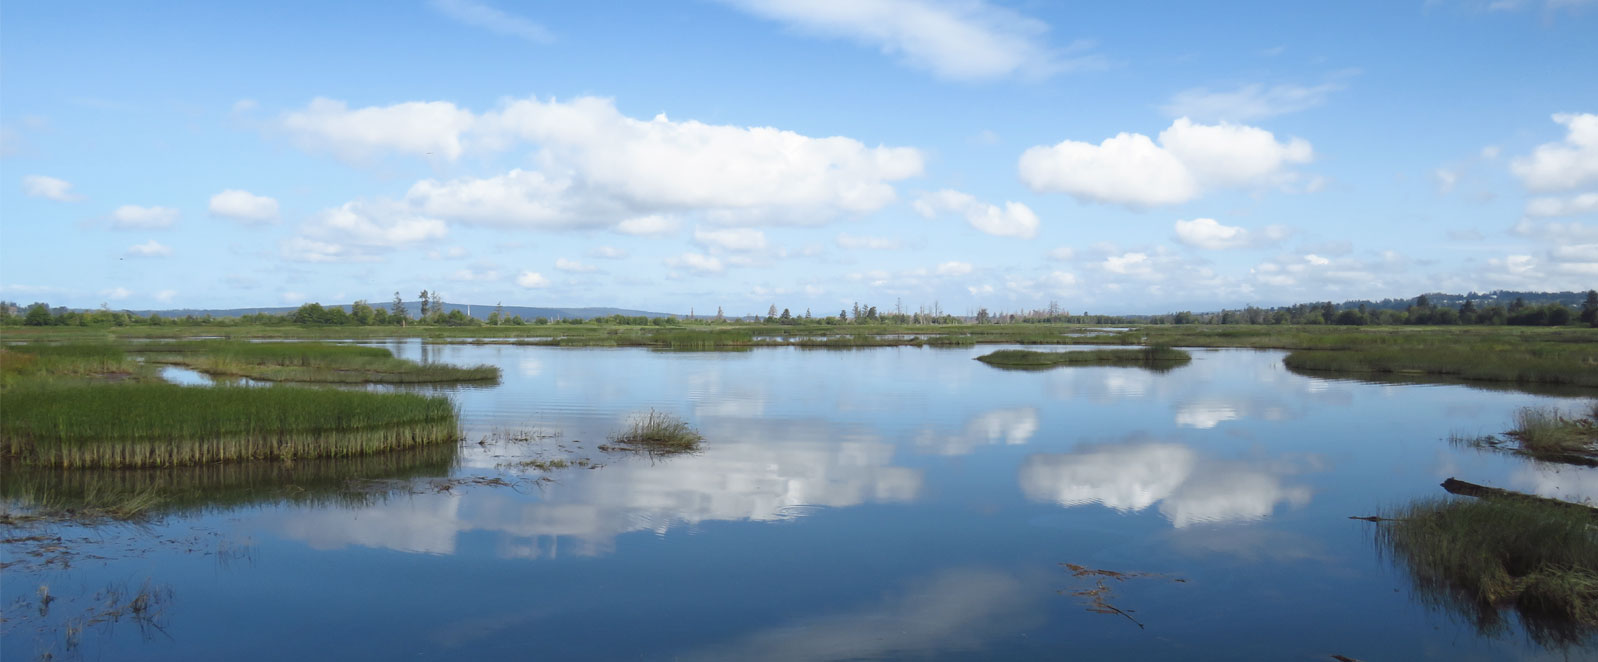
x: 877, y: 503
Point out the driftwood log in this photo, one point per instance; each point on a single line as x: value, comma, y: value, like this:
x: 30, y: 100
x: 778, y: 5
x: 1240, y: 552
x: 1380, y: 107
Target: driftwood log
x: 1462, y: 488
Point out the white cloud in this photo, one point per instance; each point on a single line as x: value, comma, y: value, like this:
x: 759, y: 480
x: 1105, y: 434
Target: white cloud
x: 116, y: 293
x: 166, y: 296
x: 301, y: 249
x: 475, y: 275
x: 732, y: 239
x: 1131, y: 170
x: 243, y: 206
x: 375, y: 225
x: 1585, y: 203
x: 1062, y: 253
x: 294, y: 297
x: 574, y: 266
x: 145, y: 218
x: 50, y: 188
x: 1556, y: 231
x: 652, y: 225
x: 954, y: 269
x: 1446, y: 179
x: 414, y: 127
x: 1129, y: 264
x: 599, y: 168
x: 696, y: 262
x: 479, y: 15
x: 845, y: 240
x: 1565, y: 165
x: 532, y: 280
x: 1249, y: 102
x: 151, y: 248
x: 607, y: 252
x: 961, y: 40
x: 1014, y: 220
x: 1209, y: 234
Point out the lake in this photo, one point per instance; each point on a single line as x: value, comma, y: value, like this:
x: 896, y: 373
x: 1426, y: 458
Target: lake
x: 864, y: 504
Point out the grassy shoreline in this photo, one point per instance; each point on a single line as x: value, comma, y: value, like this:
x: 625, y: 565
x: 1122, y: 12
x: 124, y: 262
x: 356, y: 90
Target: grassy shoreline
x: 145, y: 425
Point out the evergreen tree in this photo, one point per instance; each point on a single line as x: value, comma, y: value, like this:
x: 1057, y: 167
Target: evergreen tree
x: 1589, y: 308
x: 397, y: 312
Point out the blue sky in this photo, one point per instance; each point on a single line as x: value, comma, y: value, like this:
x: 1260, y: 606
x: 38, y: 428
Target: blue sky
x: 1114, y: 157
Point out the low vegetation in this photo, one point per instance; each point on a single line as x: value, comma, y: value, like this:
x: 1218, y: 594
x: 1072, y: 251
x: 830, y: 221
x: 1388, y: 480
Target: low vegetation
x: 1483, y: 556
x: 1547, y: 430
x: 658, y: 433
x: 1146, y: 357
x: 1464, y: 356
x: 310, y: 362
x: 144, y: 425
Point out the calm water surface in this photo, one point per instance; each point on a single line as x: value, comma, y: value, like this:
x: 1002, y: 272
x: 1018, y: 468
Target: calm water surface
x: 869, y: 504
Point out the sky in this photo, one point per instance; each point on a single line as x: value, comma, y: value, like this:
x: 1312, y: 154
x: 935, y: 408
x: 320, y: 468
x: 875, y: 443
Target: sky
x: 1128, y: 157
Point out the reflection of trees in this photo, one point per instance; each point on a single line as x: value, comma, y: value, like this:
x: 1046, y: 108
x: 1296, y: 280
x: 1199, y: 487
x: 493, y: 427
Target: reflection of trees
x: 223, y: 486
x: 1132, y: 476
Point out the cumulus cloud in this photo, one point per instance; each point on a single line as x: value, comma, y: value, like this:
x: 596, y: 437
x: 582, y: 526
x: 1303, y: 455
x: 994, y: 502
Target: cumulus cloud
x: 1249, y: 102
x: 532, y: 280
x: 143, y: 218
x: 116, y: 293
x: 696, y: 262
x: 376, y: 225
x: 960, y: 40
x: 419, y: 128
x: 479, y: 15
x: 607, y: 252
x: 1210, y: 234
x: 652, y: 225
x: 301, y: 249
x: 166, y: 296
x: 49, y: 188
x: 954, y: 269
x: 740, y: 240
x: 574, y: 266
x: 1014, y: 220
x: 599, y: 168
x: 151, y: 248
x: 1062, y: 253
x: 1548, y: 207
x: 1132, y: 170
x: 243, y: 206
x: 1562, y: 166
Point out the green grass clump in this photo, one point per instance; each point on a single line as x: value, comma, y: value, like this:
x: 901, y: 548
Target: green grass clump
x: 70, y: 362
x: 1546, y: 430
x: 659, y: 433
x: 143, y: 425
x: 1150, y: 357
x: 1480, y: 556
x: 312, y: 362
x: 1526, y: 358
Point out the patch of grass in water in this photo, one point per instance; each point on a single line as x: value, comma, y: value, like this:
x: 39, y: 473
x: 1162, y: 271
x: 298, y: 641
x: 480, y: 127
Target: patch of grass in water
x: 658, y: 433
x: 1546, y: 430
x: 314, y: 362
x: 1145, y: 357
x: 1481, y: 557
x: 142, y: 425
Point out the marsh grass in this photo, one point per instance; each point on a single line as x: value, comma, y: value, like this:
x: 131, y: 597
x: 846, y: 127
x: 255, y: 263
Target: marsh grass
x: 1145, y: 357
x: 73, y: 362
x: 1546, y: 430
x: 1531, y: 359
x: 143, y: 425
x: 658, y: 433
x: 310, y: 362
x: 1478, y: 557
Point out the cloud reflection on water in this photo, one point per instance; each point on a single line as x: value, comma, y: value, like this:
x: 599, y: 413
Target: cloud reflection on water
x: 1132, y: 476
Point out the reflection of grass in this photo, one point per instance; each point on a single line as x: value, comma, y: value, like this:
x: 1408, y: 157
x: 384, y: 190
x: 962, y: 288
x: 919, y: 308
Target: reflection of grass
x: 129, y: 425
x: 1142, y: 357
x: 90, y: 494
x: 659, y: 432
x: 1480, y: 556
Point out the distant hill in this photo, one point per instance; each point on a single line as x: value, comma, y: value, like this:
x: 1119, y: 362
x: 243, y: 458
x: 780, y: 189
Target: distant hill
x: 413, y: 307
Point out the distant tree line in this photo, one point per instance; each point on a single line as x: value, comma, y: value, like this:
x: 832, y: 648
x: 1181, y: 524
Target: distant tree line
x: 1421, y: 310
